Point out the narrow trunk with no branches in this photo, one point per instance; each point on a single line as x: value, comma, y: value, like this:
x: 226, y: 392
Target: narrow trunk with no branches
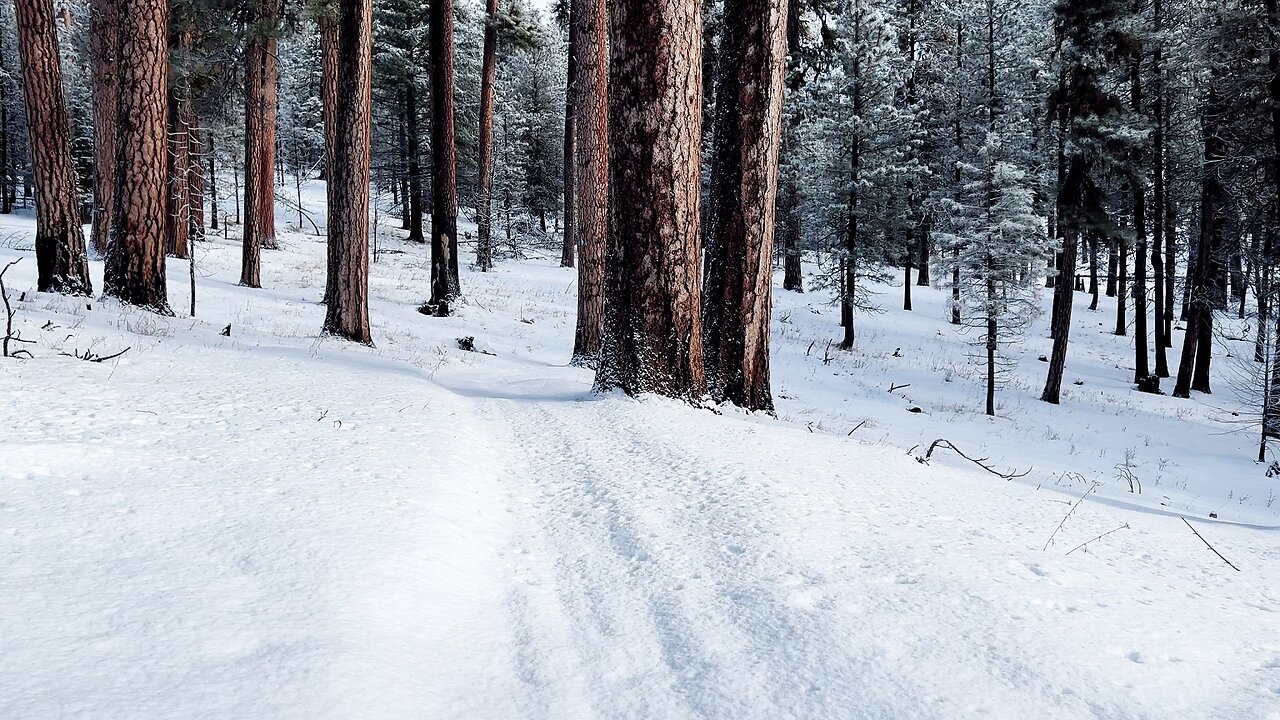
x: 653, y: 330
x: 414, y: 147
x: 347, y: 138
x: 135, y: 270
x: 260, y: 85
x: 62, y: 263
x: 102, y: 61
x: 737, y: 295
x: 444, y: 165
x: 484, y: 190
x: 591, y: 172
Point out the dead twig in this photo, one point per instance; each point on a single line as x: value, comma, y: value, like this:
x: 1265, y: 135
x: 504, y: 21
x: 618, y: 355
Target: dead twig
x: 9, y: 336
x: 980, y: 462
x: 896, y: 388
x: 90, y: 356
x: 1086, y: 542
x: 1215, y: 550
x: 1070, y: 512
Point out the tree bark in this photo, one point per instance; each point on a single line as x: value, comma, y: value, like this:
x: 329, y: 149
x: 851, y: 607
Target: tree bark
x: 178, y: 208
x: 570, y: 126
x: 261, y: 82
x: 102, y: 61
x: 330, y: 66
x: 591, y: 173
x: 195, y: 177
x: 738, y: 291
x: 61, y: 259
x: 1162, y: 339
x: 135, y: 267
x: 653, y: 331
x: 484, y: 194
x: 347, y: 313
x: 1070, y: 197
x: 415, y: 163
x: 444, y: 166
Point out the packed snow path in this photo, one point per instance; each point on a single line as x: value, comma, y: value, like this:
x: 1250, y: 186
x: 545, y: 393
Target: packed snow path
x: 267, y: 525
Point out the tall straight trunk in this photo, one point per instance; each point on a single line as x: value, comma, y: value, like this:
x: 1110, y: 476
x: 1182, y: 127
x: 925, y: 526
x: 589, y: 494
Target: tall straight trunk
x: 177, y: 215
x: 484, y: 194
x: 1197, y: 346
x: 653, y: 327
x: 400, y: 188
x: 1070, y: 196
x: 195, y: 177
x: 415, y: 165
x: 135, y: 267
x: 1122, y: 288
x: 347, y: 313
x: 1162, y: 338
x: 958, y: 130
x: 1093, y: 270
x: 849, y: 264
x: 922, y: 254
x: 738, y: 290
x: 260, y: 85
x: 789, y: 185
x: 102, y: 62
x: 444, y: 165
x: 906, y: 275
x: 330, y: 66
x: 1141, y: 366
x: 591, y: 172
x: 570, y: 125
x: 213, y: 185
x: 61, y: 259
x: 1113, y: 258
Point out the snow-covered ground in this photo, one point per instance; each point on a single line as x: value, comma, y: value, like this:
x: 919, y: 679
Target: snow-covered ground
x: 277, y: 525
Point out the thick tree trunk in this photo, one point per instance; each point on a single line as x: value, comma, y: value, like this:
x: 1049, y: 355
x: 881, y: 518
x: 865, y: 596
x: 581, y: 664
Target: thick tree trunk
x: 444, y: 165
x: 1122, y: 288
x: 347, y: 313
x: 653, y: 329
x: 260, y: 141
x: 102, y: 61
x: 135, y: 267
x: 922, y: 253
x: 484, y: 194
x: 330, y: 66
x: 738, y: 292
x: 1162, y: 339
x: 61, y: 259
x: 415, y: 164
x: 591, y: 172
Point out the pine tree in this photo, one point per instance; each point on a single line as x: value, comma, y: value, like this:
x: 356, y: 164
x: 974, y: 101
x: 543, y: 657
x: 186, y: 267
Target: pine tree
x: 738, y: 288
x: 652, y: 331
x: 60, y: 251
x: 590, y: 173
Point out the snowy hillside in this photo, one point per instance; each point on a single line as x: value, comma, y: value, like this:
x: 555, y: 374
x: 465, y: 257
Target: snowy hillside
x: 270, y: 524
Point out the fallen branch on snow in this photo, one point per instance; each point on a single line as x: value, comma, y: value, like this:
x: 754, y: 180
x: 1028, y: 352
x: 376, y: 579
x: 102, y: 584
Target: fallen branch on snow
x: 980, y: 462
x: 1215, y: 550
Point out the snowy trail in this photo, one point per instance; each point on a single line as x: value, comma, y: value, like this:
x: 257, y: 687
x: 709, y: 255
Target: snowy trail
x: 692, y: 579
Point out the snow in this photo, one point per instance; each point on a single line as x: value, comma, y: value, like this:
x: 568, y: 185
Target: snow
x: 273, y: 524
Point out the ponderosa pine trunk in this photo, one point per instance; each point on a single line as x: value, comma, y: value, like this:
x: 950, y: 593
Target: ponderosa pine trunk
x: 61, y: 260
x: 329, y: 68
x: 1070, y: 199
x: 444, y: 164
x: 135, y: 267
x: 591, y: 172
x: 102, y: 63
x: 570, y: 125
x: 653, y: 327
x: 1158, y: 236
x: 261, y: 84
x: 484, y: 190
x: 347, y: 312
x: 737, y: 298
x: 1141, y: 367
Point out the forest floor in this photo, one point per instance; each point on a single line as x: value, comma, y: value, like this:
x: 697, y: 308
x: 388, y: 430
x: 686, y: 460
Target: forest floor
x: 276, y: 524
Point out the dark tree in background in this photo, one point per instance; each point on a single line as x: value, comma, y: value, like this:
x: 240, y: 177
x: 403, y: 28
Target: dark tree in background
x: 444, y: 169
